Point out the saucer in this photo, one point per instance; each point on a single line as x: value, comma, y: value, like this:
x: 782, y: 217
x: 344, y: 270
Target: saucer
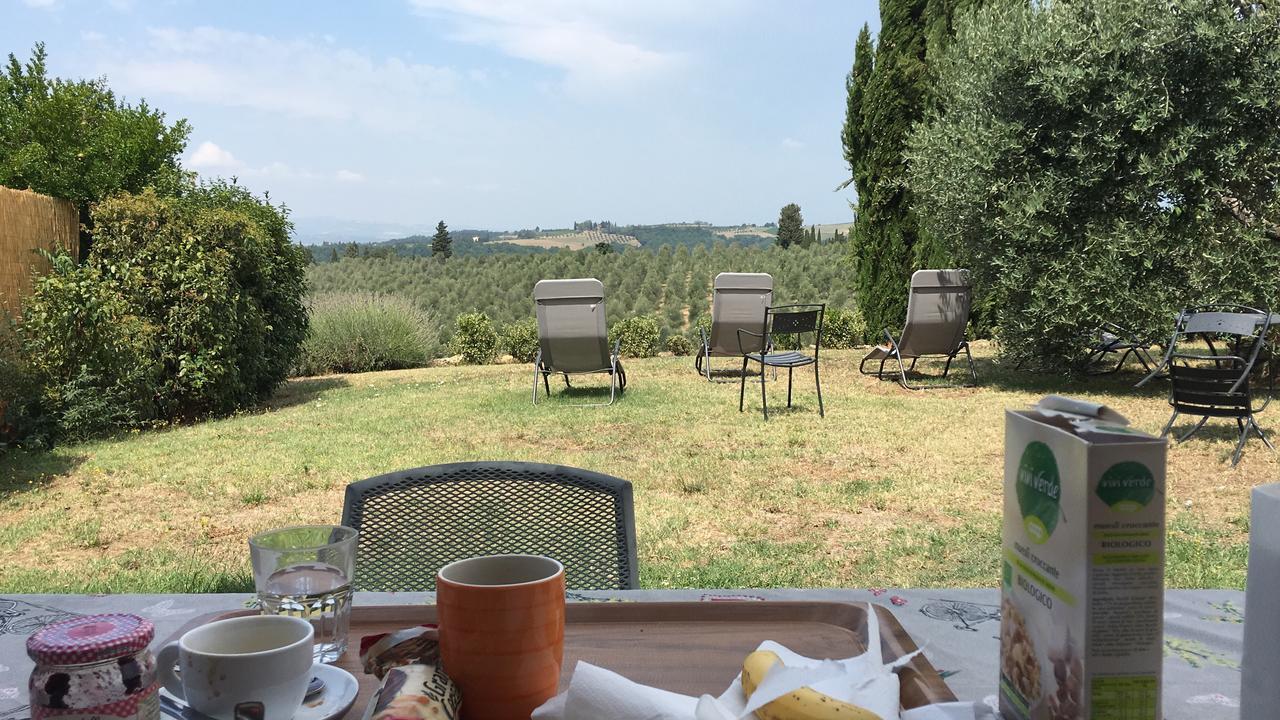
x: 340, y: 690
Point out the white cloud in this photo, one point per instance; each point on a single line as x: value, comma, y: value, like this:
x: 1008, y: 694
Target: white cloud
x: 306, y: 78
x: 598, y: 45
x: 791, y: 143
x: 211, y: 159
x: 208, y: 156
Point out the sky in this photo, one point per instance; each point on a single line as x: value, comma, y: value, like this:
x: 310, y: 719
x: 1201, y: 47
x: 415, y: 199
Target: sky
x: 493, y: 114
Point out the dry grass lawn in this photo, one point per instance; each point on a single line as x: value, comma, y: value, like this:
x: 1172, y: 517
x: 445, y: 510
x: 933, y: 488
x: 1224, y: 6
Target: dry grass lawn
x: 892, y: 488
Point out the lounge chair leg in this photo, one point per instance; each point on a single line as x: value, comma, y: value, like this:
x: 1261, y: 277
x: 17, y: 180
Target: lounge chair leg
x: 880, y: 372
x: 764, y: 399
x: 706, y: 363
x: 790, y: 374
x: 1195, y: 429
x: 947, y: 368
x: 535, y: 384
x: 546, y: 382
x: 1169, y: 425
x: 742, y: 387
x: 818, y: 381
x: 613, y: 383
x: 973, y: 372
x: 902, y: 372
x: 1265, y: 440
x: 1244, y: 437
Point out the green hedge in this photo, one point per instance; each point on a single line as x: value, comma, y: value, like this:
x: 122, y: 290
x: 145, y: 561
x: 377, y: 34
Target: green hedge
x: 520, y: 340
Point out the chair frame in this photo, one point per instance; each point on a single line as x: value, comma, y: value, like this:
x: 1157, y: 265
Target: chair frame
x: 771, y: 318
x: 1125, y: 344
x: 618, y: 489
x: 702, y: 358
x: 617, y: 376
x: 893, y: 351
x: 1202, y: 395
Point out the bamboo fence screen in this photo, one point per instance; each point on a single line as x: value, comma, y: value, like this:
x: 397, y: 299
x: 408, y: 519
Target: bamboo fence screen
x: 30, y: 222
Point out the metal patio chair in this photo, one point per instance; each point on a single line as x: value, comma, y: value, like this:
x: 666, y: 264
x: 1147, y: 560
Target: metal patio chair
x: 738, y: 300
x: 788, y: 320
x: 414, y: 522
x: 937, y: 315
x: 572, y: 335
x: 1118, y: 340
x: 1217, y: 378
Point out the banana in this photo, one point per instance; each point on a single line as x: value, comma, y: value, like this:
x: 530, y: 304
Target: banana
x: 803, y: 704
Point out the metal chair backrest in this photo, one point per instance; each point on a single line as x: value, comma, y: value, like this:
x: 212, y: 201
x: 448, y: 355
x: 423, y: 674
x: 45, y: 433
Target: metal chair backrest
x: 571, y: 324
x: 795, y: 320
x: 414, y: 522
x: 937, y: 312
x: 739, y: 301
x: 1215, y: 381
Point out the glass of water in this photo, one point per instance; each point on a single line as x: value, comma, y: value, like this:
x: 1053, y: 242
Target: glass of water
x: 305, y: 571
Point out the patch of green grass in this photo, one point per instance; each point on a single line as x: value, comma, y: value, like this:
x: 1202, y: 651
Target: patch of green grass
x: 1198, y: 556
x: 891, y: 488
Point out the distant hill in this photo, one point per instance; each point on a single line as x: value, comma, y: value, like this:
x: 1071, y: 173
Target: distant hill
x: 469, y: 242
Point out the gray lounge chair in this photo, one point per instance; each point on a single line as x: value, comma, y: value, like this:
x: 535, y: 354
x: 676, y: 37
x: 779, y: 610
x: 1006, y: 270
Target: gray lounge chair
x: 937, y: 314
x: 572, y: 336
x: 738, y: 302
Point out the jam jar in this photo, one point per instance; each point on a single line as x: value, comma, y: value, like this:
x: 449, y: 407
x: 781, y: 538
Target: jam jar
x: 94, y: 667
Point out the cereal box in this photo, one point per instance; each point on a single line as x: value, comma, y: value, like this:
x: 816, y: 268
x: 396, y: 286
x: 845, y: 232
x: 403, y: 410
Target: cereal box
x: 1082, y: 604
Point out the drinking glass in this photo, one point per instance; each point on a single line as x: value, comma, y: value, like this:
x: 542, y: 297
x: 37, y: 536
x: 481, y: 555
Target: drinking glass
x: 305, y: 571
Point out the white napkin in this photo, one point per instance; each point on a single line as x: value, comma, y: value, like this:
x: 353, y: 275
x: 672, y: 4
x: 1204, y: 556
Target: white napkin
x: 1259, y: 691
x: 863, y: 680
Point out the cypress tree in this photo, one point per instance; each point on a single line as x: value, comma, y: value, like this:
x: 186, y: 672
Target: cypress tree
x: 853, y: 136
x: 790, y: 226
x: 888, y: 89
x: 442, y: 242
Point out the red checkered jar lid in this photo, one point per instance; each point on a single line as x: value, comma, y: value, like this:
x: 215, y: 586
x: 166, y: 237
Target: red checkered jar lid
x: 89, y: 639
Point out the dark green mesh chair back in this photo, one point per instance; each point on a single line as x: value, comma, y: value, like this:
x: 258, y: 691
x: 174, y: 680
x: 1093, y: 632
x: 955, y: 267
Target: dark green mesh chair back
x: 414, y: 522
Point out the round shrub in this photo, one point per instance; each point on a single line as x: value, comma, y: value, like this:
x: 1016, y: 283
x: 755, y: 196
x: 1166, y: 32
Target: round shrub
x: 207, y: 289
x: 474, y: 338
x: 843, y: 328
x: 361, y: 332
x: 89, y: 353
x: 679, y: 345
x: 639, y: 336
x: 520, y: 339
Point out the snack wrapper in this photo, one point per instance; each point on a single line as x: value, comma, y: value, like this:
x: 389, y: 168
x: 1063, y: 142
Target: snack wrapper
x: 413, y: 685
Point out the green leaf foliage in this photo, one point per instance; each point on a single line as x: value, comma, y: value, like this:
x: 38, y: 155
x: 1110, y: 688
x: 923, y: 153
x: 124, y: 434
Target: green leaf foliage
x: 187, y: 306
x: 474, y: 338
x: 679, y: 345
x: 76, y: 140
x: 520, y: 339
x: 843, y: 328
x: 639, y: 336
x: 1105, y: 160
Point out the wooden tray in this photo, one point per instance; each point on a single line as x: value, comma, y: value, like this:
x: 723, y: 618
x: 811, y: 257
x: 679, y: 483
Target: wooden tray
x: 686, y: 647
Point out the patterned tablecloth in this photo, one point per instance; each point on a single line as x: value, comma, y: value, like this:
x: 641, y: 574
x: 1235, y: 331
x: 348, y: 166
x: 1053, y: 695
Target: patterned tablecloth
x: 959, y: 630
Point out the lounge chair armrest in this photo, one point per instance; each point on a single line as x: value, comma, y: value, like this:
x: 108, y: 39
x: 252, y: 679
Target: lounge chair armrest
x: 617, y: 348
x: 748, y: 332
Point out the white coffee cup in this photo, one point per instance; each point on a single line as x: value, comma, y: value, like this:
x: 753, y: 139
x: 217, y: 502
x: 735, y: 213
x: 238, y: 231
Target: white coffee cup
x: 254, y: 659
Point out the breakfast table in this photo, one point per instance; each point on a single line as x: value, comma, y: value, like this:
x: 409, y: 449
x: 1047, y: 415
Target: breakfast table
x: 958, y: 630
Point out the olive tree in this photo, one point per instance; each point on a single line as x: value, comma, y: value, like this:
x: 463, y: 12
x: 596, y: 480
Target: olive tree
x: 1105, y: 160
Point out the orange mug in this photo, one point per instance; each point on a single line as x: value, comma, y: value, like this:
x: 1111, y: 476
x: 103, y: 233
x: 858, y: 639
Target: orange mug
x: 502, y: 632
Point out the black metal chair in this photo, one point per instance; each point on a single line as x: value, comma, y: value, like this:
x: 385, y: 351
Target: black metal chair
x: 787, y: 320
x: 1218, y: 380
x: 1118, y: 340
x: 414, y: 522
